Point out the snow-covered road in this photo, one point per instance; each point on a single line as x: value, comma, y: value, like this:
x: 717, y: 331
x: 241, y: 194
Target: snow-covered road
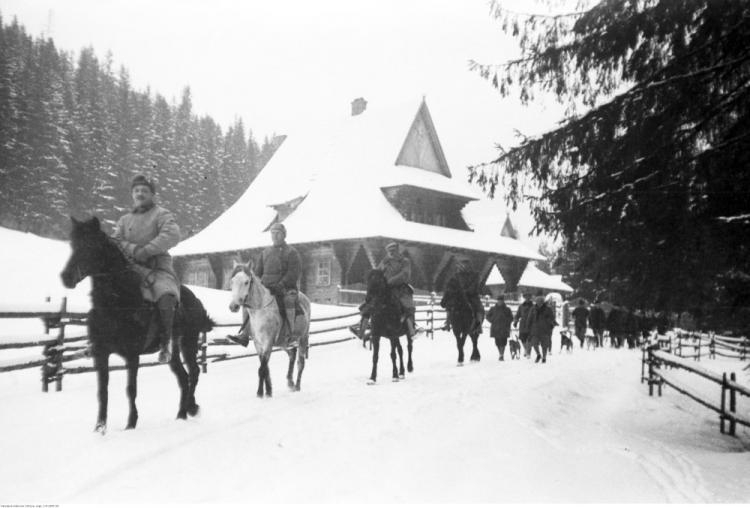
x: 580, y: 428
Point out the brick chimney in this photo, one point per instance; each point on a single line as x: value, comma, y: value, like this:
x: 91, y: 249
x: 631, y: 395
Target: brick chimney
x: 358, y: 106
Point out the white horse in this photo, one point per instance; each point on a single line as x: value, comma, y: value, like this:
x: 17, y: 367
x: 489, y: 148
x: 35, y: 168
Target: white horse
x: 264, y: 323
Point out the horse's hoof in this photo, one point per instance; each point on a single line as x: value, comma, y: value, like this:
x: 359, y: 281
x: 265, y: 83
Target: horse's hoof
x: 460, y: 364
x: 194, y: 410
x: 100, y: 428
x: 410, y: 368
x: 296, y: 388
x: 370, y: 381
x: 395, y: 379
x: 182, y: 415
x: 402, y: 376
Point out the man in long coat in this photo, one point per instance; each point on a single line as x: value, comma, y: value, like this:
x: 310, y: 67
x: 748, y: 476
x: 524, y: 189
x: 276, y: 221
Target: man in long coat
x: 500, y: 317
x: 522, y: 321
x: 580, y: 319
x: 145, y: 235
x: 541, y: 323
x: 397, y: 271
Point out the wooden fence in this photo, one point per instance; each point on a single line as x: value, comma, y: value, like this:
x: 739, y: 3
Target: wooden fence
x: 653, y: 371
x: 62, y: 348
x: 697, y: 345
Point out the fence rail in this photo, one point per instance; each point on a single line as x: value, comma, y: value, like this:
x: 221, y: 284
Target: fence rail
x: 653, y: 372
x: 63, y: 349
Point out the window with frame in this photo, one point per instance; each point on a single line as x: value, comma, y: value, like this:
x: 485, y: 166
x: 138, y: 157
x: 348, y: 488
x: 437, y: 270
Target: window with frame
x: 324, y: 272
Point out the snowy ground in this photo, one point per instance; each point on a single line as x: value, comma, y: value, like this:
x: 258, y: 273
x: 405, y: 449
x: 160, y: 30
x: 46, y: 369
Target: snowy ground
x: 580, y: 428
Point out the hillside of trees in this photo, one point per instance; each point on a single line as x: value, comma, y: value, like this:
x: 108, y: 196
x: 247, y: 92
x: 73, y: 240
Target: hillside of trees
x: 73, y: 133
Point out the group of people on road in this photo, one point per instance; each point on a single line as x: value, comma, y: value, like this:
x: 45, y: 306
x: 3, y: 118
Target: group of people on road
x: 535, y: 321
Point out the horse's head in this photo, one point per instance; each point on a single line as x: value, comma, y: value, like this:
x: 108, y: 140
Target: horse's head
x: 240, y: 284
x: 377, y: 285
x: 90, y: 247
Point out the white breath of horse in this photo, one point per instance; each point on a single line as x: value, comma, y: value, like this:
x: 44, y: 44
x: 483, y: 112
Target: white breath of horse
x: 264, y: 324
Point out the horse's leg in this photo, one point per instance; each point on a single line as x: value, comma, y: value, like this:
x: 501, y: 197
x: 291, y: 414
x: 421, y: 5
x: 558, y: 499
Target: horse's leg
x: 101, y: 363
x: 375, y: 340
x: 261, y: 374
x: 475, y: 356
x: 400, y: 352
x: 175, y: 363
x: 290, y: 372
x: 132, y: 364
x: 268, y: 375
x: 393, y: 359
x: 409, y: 342
x: 460, y: 339
x: 190, y: 357
x: 300, y: 368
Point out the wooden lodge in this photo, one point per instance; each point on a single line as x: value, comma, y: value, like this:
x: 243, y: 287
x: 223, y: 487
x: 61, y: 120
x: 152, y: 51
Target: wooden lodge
x: 343, y: 193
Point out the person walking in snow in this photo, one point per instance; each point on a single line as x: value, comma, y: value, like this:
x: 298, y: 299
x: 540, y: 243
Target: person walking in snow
x: 541, y: 323
x: 500, y: 317
x: 522, y: 322
x: 580, y: 318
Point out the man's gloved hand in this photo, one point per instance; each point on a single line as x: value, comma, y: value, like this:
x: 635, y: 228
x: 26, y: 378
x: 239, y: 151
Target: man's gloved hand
x: 140, y: 255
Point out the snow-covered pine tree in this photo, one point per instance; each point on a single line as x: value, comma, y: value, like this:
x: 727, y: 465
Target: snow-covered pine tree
x: 649, y: 173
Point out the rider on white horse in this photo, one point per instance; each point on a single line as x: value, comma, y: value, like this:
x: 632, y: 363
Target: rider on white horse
x: 279, y: 269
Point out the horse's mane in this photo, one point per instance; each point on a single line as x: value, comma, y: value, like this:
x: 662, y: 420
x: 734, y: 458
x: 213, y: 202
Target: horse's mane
x: 113, y: 255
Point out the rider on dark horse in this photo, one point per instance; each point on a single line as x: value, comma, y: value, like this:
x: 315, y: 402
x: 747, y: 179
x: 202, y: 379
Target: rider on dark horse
x: 463, y: 284
x: 145, y: 235
x: 397, y: 271
x: 279, y: 269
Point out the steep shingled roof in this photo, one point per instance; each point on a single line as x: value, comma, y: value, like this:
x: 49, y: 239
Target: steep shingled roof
x: 340, y: 171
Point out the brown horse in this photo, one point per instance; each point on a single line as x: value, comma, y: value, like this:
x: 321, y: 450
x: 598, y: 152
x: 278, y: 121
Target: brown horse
x: 119, y: 317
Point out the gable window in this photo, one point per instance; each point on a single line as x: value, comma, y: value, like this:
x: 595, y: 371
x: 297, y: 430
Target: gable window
x: 324, y: 272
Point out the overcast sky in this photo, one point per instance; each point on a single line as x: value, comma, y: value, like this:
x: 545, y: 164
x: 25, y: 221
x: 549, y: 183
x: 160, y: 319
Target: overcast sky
x: 281, y: 64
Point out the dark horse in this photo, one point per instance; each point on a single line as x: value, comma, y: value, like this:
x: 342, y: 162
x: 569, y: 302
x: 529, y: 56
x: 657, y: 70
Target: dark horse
x: 119, y: 317
x: 385, y: 321
x: 462, y: 323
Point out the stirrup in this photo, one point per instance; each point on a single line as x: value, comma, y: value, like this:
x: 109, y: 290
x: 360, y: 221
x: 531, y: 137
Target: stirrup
x: 165, y: 353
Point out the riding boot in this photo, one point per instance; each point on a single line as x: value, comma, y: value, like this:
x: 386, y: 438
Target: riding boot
x: 363, y: 327
x: 447, y: 325
x: 410, y: 325
x: 166, y: 304
x: 290, y: 322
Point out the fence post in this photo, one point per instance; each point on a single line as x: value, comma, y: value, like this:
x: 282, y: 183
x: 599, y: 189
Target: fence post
x: 732, y: 405
x: 432, y: 316
x: 650, y: 372
x: 338, y: 294
x: 204, y: 359
x: 60, y: 345
x: 643, y: 363
x: 722, y: 415
x: 712, y: 346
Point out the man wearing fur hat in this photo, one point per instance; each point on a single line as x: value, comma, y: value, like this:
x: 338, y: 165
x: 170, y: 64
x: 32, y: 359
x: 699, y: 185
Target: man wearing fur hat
x: 145, y: 235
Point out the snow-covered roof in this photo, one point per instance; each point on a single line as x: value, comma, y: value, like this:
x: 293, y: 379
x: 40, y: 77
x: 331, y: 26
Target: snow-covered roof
x: 531, y: 277
x: 536, y: 278
x: 341, y: 171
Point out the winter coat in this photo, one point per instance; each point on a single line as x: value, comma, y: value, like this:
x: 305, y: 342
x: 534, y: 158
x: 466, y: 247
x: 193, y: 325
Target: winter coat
x: 522, y: 316
x: 541, y: 322
x: 154, y: 230
x: 397, y: 272
x: 279, y: 268
x: 580, y: 314
x: 596, y: 318
x: 500, y: 318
